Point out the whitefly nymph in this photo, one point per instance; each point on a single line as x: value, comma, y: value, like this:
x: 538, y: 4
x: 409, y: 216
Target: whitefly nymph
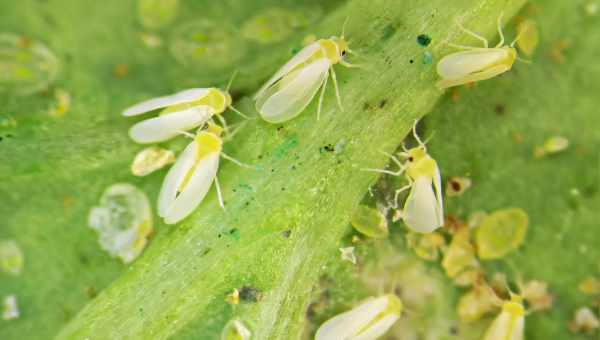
x: 181, y: 111
x: 423, y: 209
x: 294, y: 86
x: 476, y: 63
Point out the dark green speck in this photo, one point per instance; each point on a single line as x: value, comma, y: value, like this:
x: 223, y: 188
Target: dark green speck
x: 423, y: 40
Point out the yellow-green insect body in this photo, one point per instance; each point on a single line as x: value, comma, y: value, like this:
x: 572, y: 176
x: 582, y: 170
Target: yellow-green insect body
x: 293, y: 87
x: 423, y: 208
x: 476, y: 63
x: 190, y: 178
x: 510, y: 323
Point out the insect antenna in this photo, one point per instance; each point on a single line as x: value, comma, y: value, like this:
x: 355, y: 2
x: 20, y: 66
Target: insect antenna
x: 238, y: 112
x: 235, y: 161
x: 187, y: 134
x: 219, y: 194
x: 233, y: 75
x: 344, y: 27
x: 500, y: 30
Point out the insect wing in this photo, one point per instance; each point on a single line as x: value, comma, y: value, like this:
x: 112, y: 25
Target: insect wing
x: 421, y: 208
x: 162, y: 102
x: 461, y: 64
x: 293, y: 93
x: 437, y: 185
x: 506, y: 327
x: 346, y: 325
x: 195, y: 191
x: 169, y: 125
x: 487, y: 74
x: 298, y: 59
x: 175, y: 177
x: 378, y: 329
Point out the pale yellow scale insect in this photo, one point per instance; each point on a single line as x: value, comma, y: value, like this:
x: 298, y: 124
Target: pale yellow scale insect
x: 423, y: 209
x: 510, y: 323
x: 293, y: 87
x: 476, y: 63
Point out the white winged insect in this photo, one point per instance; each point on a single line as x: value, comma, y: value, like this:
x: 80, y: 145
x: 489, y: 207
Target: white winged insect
x: 423, y: 209
x: 181, y: 111
x: 510, y: 323
x: 190, y: 178
x: 293, y: 87
x: 476, y: 63
x: 368, y: 321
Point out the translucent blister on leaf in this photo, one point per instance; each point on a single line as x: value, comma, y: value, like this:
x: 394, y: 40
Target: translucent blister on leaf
x: 275, y: 24
x: 501, y: 232
x: 154, y: 14
x: 26, y: 66
x: 370, y: 222
x: 206, y: 43
x: 11, y: 257
x: 123, y: 221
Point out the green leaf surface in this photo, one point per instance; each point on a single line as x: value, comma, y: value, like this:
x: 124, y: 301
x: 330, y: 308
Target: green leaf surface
x: 285, y: 219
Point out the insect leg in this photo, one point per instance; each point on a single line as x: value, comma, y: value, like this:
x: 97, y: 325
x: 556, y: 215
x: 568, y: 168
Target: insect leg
x: 347, y: 64
x: 337, y: 90
x: 473, y: 34
x: 235, y: 161
x: 238, y: 112
x: 187, y: 134
x: 219, y: 195
x: 398, y: 192
x: 234, y: 131
x: 399, y: 172
x: 414, y: 131
x: 223, y: 122
x: 320, y: 107
x: 500, y: 30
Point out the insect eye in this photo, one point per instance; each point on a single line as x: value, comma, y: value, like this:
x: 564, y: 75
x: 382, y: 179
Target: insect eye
x: 410, y: 159
x: 343, y: 53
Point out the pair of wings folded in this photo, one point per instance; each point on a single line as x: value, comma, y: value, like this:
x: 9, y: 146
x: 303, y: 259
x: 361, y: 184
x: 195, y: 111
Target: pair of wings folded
x: 471, y: 66
x: 423, y: 210
x: 293, y: 87
x: 167, y: 126
x: 175, y: 202
x: 350, y: 325
x: 506, y: 327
